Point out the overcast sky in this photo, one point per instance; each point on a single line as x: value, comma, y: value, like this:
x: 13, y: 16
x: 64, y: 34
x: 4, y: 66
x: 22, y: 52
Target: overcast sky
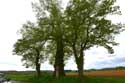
x: 13, y: 13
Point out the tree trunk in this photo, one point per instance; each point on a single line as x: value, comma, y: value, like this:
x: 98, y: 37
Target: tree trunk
x: 37, y: 63
x: 81, y: 64
x: 79, y: 61
x: 59, y: 62
x: 38, y: 70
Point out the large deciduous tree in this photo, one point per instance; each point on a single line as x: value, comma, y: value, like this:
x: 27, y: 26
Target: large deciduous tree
x: 88, y: 26
x: 31, y: 47
x: 51, y: 10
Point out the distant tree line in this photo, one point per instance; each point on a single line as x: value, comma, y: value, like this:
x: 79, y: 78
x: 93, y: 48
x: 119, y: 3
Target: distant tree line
x: 110, y: 68
x: 60, y: 33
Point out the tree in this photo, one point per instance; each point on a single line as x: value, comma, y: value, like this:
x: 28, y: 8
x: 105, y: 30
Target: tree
x: 82, y: 25
x: 30, y: 48
x: 51, y: 10
x: 51, y: 52
x: 88, y: 26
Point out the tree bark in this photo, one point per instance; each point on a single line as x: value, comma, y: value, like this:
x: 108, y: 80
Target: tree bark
x: 38, y: 72
x: 59, y: 62
x: 79, y: 61
x: 37, y: 63
x: 81, y: 64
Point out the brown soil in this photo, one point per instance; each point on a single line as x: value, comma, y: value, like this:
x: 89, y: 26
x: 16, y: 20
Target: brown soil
x: 106, y: 73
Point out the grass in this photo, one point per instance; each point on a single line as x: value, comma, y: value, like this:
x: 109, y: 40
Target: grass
x: 47, y: 78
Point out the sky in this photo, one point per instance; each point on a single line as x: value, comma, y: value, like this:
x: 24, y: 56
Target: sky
x: 14, y: 13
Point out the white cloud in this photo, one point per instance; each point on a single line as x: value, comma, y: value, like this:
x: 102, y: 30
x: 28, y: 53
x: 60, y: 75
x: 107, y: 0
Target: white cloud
x: 13, y: 13
x: 100, y: 58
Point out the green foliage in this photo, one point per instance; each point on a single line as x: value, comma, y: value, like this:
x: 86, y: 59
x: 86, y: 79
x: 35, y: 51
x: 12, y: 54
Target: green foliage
x: 88, y: 24
x: 53, y: 24
x: 30, y: 45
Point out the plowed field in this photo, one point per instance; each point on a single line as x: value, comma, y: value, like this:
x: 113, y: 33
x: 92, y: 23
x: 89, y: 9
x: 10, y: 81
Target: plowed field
x: 105, y: 73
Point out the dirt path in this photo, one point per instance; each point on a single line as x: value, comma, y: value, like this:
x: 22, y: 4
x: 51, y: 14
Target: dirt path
x: 14, y: 82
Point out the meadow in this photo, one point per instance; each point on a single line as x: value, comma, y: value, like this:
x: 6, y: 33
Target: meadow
x: 107, y: 76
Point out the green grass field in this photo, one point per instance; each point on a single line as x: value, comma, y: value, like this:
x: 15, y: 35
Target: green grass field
x: 47, y: 78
